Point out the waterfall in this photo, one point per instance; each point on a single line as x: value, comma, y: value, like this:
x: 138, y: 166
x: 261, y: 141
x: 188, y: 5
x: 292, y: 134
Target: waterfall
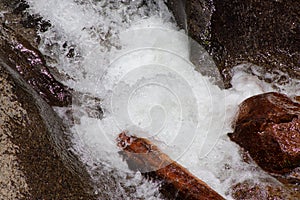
x: 132, y: 57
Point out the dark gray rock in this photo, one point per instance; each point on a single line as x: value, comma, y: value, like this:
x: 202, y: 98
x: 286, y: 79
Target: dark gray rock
x: 265, y: 32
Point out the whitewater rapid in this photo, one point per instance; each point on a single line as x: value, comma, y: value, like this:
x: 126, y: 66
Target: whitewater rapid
x: 133, y: 57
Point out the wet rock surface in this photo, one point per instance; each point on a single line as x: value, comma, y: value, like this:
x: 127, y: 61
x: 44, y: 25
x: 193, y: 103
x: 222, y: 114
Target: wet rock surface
x: 268, y: 127
x: 35, y: 162
x: 265, y: 33
x: 14, y: 15
x: 21, y: 56
x: 15, y: 21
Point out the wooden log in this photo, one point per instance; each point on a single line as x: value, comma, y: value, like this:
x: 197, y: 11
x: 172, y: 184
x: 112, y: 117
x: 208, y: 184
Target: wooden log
x: 145, y: 157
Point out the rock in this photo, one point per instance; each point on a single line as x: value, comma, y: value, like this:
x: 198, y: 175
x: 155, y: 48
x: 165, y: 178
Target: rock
x: 34, y: 160
x: 21, y: 56
x: 268, y: 127
x: 142, y: 155
x: 14, y: 15
x: 265, y: 33
x: 264, y: 190
x: 179, y: 10
x: 44, y: 168
x: 18, y: 48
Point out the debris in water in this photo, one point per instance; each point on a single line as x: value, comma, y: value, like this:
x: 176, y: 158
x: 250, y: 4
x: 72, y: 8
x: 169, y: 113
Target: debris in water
x: 143, y: 156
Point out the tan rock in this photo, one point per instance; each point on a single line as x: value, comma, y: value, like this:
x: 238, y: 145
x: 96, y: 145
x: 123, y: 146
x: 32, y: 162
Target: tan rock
x: 13, y: 184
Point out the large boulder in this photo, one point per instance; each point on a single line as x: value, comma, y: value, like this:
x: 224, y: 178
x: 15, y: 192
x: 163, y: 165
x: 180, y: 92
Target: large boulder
x: 265, y: 33
x: 268, y: 127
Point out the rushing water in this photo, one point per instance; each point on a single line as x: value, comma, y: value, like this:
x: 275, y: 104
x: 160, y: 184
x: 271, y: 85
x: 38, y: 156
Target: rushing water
x: 130, y: 58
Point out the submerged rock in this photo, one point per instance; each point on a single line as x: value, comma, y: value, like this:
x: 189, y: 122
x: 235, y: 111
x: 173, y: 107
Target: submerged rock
x: 268, y: 127
x: 265, y: 33
x: 35, y: 162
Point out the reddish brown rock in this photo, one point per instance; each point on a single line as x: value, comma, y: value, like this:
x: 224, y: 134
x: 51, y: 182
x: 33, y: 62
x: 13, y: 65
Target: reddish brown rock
x: 142, y: 155
x: 268, y: 127
x: 22, y: 57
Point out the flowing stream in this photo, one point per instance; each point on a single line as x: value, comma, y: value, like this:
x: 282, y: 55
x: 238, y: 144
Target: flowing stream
x: 130, y: 58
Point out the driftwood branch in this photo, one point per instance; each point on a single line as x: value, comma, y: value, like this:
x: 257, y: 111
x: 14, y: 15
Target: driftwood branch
x: 142, y: 155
